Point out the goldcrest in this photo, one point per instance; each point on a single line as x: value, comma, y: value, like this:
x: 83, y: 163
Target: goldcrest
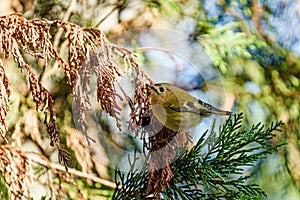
x: 176, y: 109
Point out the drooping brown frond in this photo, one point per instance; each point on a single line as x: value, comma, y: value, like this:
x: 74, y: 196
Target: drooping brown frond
x: 101, y: 56
x: 163, y: 149
x: 43, y: 100
x: 16, y: 172
x: 4, y: 103
x: 140, y: 106
x: 140, y: 103
x: 107, y: 73
x: 81, y: 93
x: 158, y: 180
x: 92, y: 55
x: 78, y: 43
x: 32, y: 36
x: 106, y: 95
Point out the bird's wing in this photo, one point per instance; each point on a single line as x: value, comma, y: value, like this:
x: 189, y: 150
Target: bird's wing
x: 199, y: 107
x: 175, y: 106
x: 189, y: 106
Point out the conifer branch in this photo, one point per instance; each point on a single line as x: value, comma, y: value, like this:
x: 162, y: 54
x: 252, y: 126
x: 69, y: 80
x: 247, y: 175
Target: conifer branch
x: 215, y: 167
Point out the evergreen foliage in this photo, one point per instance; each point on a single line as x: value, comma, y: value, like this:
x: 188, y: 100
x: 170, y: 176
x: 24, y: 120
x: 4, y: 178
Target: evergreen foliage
x: 215, y: 168
x: 226, y: 43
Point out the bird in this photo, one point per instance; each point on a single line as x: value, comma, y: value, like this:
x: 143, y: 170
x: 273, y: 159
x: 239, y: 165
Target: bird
x: 176, y: 109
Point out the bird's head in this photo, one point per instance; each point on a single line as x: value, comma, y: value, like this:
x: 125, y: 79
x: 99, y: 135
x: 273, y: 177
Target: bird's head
x: 160, y: 92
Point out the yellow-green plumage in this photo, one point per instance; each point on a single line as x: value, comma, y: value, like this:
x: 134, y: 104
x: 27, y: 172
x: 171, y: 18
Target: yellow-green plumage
x: 178, y: 110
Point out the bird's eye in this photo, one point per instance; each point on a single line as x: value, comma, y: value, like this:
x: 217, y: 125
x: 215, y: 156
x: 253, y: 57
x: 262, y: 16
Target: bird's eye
x: 161, y: 89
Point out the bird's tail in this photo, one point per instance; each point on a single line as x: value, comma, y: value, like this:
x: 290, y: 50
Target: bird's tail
x: 217, y: 111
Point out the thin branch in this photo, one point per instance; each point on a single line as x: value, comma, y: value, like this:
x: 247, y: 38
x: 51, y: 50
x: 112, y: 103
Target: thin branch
x: 118, y: 5
x: 43, y: 161
x: 65, y: 18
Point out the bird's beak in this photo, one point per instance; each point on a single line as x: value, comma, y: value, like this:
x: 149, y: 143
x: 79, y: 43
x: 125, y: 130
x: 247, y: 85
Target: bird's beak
x: 152, y: 87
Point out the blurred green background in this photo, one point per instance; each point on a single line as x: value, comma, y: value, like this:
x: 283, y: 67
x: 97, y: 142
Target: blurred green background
x: 241, y: 55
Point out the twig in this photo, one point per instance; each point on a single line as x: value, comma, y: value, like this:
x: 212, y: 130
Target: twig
x: 65, y: 18
x: 168, y: 52
x: 119, y: 5
x: 41, y: 160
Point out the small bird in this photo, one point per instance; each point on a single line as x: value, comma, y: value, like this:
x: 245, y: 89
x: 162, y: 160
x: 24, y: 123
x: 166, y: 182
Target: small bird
x: 176, y: 109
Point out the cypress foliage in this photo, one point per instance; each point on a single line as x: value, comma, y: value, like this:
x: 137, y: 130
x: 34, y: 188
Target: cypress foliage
x: 215, y: 168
